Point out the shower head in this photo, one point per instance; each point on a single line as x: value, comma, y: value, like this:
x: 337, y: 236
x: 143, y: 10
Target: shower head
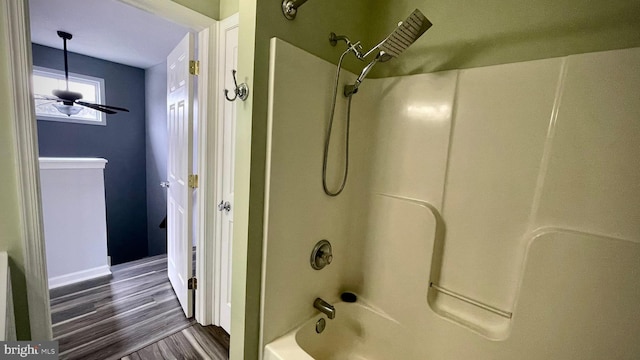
x: 404, y: 35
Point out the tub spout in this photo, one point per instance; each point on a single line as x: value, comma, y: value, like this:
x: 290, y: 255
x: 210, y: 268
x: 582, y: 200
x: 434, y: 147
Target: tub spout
x: 325, y: 308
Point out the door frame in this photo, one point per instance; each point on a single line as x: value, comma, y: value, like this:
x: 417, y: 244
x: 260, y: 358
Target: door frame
x: 15, y: 15
x: 224, y: 25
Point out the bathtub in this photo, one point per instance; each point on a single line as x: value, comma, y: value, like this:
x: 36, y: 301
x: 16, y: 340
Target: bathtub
x: 357, y: 332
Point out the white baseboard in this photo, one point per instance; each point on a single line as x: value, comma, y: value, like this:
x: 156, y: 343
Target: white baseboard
x: 75, y: 277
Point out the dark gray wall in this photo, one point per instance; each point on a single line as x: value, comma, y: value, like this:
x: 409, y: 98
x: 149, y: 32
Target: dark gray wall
x: 121, y: 142
x: 157, y: 147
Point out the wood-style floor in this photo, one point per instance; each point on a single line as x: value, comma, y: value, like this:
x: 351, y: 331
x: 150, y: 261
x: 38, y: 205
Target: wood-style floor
x: 133, y: 314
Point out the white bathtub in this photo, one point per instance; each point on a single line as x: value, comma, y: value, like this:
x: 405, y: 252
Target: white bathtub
x: 357, y: 332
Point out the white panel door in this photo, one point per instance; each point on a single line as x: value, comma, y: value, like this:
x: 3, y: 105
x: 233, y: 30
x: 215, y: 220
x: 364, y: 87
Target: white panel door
x: 229, y: 44
x: 179, y: 199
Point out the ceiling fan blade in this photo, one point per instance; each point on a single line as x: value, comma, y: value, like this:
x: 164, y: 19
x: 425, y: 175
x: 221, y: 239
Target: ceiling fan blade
x: 69, y: 97
x: 103, y: 106
x: 95, y: 107
x: 45, y: 97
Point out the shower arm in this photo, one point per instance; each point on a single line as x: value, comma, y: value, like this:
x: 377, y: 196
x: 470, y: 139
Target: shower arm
x: 356, y: 48
x: 290, y: 8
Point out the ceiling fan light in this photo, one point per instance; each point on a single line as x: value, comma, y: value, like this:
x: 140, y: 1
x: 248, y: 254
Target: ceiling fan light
x: 68, y: 109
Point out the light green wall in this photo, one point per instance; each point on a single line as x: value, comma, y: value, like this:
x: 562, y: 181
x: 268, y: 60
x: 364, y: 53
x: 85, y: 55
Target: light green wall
x: 310, y: 30
x: 210, y: 8
x: 10, y: 212
x: 10, y: 219
x: 228, y: 8
x: 469, y: 34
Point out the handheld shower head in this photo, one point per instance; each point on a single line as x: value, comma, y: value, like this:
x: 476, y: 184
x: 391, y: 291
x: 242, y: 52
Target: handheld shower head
x: 399, y: 40
x: 404, y: 35
x: 352, y: 89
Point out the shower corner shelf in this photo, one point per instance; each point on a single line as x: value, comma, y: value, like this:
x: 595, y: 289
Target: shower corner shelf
x: 483, y: 319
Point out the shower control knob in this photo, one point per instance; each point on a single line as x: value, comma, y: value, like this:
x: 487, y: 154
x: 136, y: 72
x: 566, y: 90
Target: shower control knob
x: 328, y: 258
x: 321, y: 255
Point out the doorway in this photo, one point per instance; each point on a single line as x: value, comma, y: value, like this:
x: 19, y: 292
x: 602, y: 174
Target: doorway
x: 194, y: 211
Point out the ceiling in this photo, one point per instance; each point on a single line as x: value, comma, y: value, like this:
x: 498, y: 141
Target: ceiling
x: 105, y: 29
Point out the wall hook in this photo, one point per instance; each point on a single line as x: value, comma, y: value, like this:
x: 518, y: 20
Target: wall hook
x: 241, y: 91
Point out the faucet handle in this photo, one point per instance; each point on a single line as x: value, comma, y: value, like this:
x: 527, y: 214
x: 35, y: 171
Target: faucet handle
x: 321, y: 255
x: 326, y: 257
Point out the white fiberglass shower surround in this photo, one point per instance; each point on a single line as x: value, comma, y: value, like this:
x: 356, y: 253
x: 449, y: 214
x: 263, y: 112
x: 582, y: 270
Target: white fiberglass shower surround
x: 514, y: 188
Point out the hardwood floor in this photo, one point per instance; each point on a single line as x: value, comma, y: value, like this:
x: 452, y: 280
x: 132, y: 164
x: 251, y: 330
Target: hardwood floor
x: 133, y: 314
x: 195, y: 342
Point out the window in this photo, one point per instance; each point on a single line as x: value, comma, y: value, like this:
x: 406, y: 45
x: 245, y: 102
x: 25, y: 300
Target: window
x: 92, y: 89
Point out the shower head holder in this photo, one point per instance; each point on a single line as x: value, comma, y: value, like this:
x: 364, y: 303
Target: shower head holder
x: 355, y: 48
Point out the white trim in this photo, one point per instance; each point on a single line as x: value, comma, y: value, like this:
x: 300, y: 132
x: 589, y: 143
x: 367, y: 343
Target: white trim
x: 15, y: 14
x: 175, y: 12
x: 72, y: 278
x: 227, y: 24
x: 205, y: 250
x: 51, y: 163
x: 209, y: 190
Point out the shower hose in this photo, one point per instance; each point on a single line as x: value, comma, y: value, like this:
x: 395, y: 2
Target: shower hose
x: 327, y: 140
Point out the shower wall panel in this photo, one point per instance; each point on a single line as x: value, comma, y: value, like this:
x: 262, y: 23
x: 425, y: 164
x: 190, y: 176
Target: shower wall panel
x: 298, y: 214
x: 592, y: 181
x: 502, y: 116
x: 539, y: 217
x: 515, y: 186
x: 409, y: 150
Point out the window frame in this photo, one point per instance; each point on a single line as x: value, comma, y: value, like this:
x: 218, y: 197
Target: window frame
x: 97, y: 82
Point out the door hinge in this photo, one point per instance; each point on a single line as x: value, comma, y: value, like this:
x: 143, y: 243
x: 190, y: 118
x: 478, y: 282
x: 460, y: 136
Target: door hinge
x: 193, y: 181
x: 194, y: 67
x: 192, y: 284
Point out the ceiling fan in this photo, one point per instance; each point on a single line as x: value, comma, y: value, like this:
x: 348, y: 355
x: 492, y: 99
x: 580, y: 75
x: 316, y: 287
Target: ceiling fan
x: 65, y: 99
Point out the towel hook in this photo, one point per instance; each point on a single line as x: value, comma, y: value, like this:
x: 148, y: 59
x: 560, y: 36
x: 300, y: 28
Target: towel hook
x: 241, y: 91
